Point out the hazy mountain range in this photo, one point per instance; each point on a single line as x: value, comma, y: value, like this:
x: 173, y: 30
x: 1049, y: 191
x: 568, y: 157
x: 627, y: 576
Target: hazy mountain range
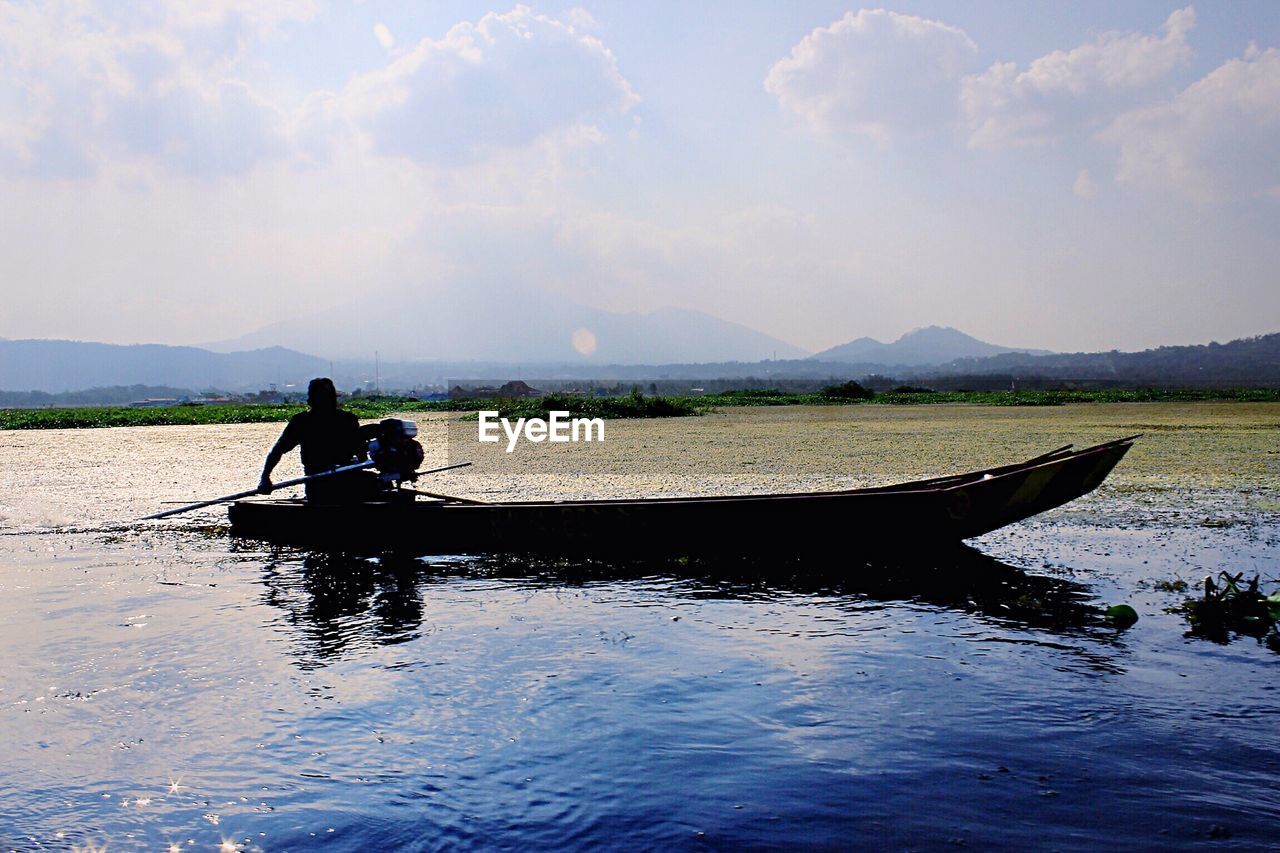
x: 60, y: 366
x: 669, y: 337
x: 55, y: 366
x: 928, y: 346
x: 527, y: 326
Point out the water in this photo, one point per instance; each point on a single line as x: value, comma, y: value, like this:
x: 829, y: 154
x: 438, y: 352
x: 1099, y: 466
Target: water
x: 163, y: 684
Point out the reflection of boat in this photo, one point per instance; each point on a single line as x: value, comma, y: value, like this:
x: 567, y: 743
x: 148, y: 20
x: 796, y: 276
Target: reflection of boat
x: 336, y: 601
x: 906, y: 516
x: 336, y: 604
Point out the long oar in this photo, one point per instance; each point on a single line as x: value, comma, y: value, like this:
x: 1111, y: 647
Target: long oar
x: 1052, y: 453
x: 445, y: 498
x: 416, y: 474
x: 295, y: 482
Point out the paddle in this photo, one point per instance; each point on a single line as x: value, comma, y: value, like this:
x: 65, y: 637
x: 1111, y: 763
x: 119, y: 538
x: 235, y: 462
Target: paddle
x: 446, y: 498
x: 295, y: 482
x: 1052, y: 453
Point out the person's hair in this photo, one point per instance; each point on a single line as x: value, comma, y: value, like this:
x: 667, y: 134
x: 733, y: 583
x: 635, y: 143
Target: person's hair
x: 321, y: 389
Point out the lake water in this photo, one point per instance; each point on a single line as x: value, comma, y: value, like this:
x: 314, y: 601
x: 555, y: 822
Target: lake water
x: 162, y: 684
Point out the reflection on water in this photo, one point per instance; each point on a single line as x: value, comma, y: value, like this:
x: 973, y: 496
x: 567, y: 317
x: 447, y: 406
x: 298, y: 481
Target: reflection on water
x: 335, y: 602
x: 171, y: 685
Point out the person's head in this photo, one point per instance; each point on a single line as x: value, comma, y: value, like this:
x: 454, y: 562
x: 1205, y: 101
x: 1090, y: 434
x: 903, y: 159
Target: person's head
x: 321, y: 394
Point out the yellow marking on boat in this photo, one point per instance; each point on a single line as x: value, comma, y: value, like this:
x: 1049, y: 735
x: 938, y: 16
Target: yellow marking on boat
x: 1034, y: 484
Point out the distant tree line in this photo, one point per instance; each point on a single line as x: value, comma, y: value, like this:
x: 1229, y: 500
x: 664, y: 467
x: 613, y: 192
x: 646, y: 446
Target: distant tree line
x: 115, y: 395
x: 1253, y: 362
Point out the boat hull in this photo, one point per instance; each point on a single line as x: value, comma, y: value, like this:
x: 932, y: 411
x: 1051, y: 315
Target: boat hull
x: 908, y: 516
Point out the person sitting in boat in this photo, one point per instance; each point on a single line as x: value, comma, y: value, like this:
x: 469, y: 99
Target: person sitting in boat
x: 329, y: 438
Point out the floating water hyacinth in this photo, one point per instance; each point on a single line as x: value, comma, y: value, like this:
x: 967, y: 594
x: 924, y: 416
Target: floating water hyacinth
x: 1232, y: 606
x: 1121, y: 616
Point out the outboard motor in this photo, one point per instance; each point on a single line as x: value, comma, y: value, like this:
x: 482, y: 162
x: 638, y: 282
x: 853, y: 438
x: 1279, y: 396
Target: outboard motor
x: 395, y: 451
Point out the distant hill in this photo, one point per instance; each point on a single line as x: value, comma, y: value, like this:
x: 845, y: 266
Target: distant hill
x: 116, y: 395
x: 855, y: 350
x: 455, y: 323
x: 931, y: 345
x: 1249, y: 361
x: 56, y: 366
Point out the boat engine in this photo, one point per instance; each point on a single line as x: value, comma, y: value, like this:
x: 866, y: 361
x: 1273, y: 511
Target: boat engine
x: 394, y: 450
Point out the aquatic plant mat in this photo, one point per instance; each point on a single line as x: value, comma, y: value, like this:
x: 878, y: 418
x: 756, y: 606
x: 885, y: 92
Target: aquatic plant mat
x: 1232, y: 606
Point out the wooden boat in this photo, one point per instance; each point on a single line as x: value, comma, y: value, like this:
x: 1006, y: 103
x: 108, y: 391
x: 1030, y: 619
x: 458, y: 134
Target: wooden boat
x: 902, y: 517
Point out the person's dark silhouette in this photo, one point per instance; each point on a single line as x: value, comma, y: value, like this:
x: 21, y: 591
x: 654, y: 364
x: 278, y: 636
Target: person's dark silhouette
x: 329, y: 437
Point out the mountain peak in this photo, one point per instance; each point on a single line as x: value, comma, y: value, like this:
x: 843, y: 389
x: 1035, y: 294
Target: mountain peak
x: 927, y: 345
x: 936, y: 332
x: 524, y: 326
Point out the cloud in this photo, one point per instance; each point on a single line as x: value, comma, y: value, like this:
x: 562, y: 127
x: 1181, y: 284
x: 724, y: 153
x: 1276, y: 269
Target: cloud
x: 1065, y: 90
x: 502, y: 82
x: 383, y: 35
x: 1217, y: 139
x: 580, y: 19
x: 105, y: 115
x: 1085, y: 186
x: 876, y: 73
x: 223, y: 131
x: 260, y: 18
x: 888, y: 75
x: 82, y: 84
x: 87, y: 85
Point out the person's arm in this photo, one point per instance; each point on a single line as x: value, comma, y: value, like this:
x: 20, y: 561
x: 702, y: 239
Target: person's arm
x: 289, y: 439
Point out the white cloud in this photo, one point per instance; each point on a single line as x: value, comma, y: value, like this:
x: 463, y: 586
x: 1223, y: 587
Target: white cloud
x: 261, y: 17
x: 1218, y: 139
x: 1085, y: 186
x: 226, y: 130
x: 410, y: 166
x: 876, y: 73
x: 1079, y: 88
x: 503, y: 82
x: 580, y: 19
x: 82, y: 84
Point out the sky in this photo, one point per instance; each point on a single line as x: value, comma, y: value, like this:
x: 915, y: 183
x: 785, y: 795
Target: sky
x: 1071, y: 176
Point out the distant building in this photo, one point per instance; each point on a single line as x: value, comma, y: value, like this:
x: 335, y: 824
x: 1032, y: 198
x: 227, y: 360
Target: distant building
x: 154, y: 402
x: 508, y: 390
x: 518, y: 389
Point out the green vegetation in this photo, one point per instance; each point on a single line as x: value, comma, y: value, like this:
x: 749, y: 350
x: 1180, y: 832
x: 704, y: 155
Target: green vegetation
x: 113, y: 416
x: 840, y: 395
x: 115, y: 395
x: 633, y: 405
x: 847, y: 391
x: 1121, y: 616
x: 1231, y: 606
